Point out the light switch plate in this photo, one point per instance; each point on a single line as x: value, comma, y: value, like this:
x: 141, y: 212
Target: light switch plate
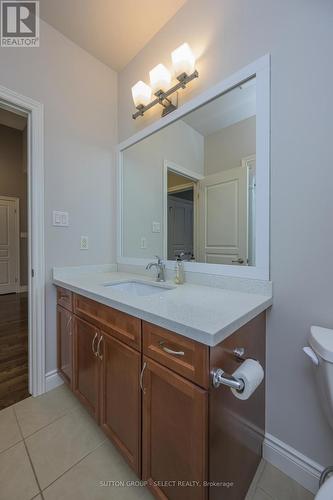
x: 84, y: 245
x: 156, y: 227
x: 60, y: 218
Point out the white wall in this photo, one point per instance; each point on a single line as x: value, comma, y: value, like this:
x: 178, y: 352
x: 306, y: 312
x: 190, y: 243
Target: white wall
x: 227, y: 35
x: 143, y: 183
x: 79, y: 97
x: 226, y: 148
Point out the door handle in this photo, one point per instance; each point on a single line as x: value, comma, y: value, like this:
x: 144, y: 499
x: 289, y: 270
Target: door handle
x: 98, y: 346
x: 141, y: 378
x: 170, y: 351
x: 239, y: 261
x: 93, y: 344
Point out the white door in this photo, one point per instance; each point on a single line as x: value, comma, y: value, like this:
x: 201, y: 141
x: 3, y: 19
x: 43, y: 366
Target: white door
x: 223, y: 217
x: 9, y: 251
x: 180, y: 227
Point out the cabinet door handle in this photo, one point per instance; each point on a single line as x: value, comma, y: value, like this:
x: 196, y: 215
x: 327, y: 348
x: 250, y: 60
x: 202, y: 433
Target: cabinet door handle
x: 98, y: 346
x: 93, y: 344
x: 141, y: 378
x: 170, y: 351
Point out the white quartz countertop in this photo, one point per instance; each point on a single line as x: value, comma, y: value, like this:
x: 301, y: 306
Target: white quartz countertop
x: 203, y: 313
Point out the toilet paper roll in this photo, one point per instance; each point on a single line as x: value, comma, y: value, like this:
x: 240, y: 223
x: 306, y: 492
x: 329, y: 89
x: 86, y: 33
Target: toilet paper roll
x: 252, y: 374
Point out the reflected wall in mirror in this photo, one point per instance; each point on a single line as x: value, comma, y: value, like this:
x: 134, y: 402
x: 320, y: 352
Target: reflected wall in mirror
x: 189, y: 189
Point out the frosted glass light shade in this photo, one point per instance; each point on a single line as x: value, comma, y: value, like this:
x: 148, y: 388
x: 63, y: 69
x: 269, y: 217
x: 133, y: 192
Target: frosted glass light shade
x: 160, y: 78
x: 141, y: 93
x: 183, y: 60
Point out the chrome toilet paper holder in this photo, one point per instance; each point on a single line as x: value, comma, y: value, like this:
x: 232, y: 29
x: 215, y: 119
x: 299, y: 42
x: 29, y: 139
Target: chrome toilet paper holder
x: 220, y: 377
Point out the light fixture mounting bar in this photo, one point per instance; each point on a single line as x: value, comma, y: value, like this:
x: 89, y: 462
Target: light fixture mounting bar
x: 162, y: 97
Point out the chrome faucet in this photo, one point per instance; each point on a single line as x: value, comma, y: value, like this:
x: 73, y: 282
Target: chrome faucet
x: 160, y: 267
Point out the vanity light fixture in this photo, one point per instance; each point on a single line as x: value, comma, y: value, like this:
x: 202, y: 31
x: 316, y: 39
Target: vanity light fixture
x: 183, y: 61
x: 141, y: 93
x: 160, y: 78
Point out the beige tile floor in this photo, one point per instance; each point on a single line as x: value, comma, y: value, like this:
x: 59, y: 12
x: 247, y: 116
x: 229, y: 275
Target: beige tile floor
x: 270, y: 483
x: 51, y: 449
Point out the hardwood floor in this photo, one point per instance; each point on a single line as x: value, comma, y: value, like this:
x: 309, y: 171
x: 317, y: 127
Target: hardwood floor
x: 13, y: 348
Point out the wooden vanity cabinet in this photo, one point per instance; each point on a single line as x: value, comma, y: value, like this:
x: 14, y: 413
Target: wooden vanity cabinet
x: 236, y: 427
x: 86, y: 383
x: 120, y: 325
x: 184, y: 356
x: 106, y: 381
x: 99, y: 357
x: 150, y: 391
x: 65, y: 344
x: 65, y: 331
x: 65, y: 298
x: 120, y: 407
x: 175, y: 432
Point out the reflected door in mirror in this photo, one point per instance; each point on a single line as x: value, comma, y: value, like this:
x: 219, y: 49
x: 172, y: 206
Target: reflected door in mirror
x: 223, y: 217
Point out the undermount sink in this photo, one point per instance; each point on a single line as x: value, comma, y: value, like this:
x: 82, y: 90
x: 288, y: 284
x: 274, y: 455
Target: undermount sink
x: 139, y: 288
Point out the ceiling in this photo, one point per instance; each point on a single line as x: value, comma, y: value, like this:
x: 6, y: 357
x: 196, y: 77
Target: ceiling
x: 12, y: 120
x: 113, y: 31
x: 230, y: 108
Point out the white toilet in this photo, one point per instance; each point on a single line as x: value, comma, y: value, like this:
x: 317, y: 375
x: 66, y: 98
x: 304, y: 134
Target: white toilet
x: 326, y: 491
x: 321, y: 354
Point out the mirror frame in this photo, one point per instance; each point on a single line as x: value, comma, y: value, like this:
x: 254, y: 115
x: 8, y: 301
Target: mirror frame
x: 261, y: 70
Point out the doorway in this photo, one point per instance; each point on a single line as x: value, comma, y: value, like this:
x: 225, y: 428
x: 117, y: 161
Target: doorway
x: 180, y: 211
x: 31, y: 306
x: 9, y: 234
x: 14, y: 311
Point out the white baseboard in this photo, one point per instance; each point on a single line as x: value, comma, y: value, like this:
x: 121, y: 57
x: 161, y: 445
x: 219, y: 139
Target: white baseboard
x: 291, y: 462
x: 52, y: 380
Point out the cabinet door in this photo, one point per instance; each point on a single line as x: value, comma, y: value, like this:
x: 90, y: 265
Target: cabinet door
x: 87, y: 365
x: 65, y: 344
x: 121, y: 398
x: 174, y: 434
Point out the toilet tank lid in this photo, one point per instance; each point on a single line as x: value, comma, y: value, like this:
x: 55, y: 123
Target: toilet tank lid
x: 321, y: 341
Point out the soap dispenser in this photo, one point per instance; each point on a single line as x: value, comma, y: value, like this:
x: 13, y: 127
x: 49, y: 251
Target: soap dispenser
x: 180, y: 272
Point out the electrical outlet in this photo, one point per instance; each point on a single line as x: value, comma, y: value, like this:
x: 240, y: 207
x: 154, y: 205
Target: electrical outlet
x: 143, y: 243
x: 84, y: 245
x: 156, y: 227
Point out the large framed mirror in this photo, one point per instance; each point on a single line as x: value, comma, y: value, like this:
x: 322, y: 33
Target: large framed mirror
x: 195, y: 185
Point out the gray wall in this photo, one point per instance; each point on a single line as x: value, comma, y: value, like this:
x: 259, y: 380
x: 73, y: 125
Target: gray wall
x: 79, y: 97
x: 227, y: 35
x: 226, y: 148
x: 13, y: 182
x: 143, y: 165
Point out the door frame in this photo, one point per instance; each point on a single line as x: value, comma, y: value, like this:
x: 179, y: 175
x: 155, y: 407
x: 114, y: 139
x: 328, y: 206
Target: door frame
x: 193, y: 176
x: 17, y: 237
x: 246, y: 161
x: 34, y: 111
